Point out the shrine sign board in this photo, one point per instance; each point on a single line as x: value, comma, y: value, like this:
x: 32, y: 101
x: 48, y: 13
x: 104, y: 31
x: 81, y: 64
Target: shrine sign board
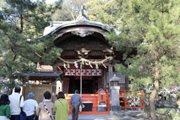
x: 85, y: 72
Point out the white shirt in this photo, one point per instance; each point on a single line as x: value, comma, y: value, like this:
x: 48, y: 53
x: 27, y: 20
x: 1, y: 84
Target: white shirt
x: 15, y: 103
x: 3, y: 118
x: 30, y: 106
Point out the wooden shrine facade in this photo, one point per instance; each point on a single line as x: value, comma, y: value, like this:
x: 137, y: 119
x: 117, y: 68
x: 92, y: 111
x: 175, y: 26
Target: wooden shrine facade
x: 84, y: 43
x: 86, y: 63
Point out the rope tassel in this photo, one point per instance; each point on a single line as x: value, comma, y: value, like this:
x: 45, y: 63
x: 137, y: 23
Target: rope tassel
x: 97, y: 67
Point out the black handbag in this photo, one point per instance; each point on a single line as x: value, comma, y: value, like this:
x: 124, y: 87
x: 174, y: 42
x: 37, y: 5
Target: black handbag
x: 35, y: 117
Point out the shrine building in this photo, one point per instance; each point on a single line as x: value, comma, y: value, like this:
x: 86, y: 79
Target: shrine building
x: 86, y: 63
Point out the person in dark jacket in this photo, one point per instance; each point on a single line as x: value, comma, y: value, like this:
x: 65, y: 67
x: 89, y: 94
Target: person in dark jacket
x: 75, y: 101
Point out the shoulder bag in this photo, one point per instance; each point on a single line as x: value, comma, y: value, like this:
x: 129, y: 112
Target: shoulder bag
x: 47, y: 111
x: 22, y: 114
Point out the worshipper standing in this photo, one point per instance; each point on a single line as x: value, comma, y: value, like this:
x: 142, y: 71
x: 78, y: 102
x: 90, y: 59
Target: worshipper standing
x: 30, y: 107
x: 5, y: 112
x: 61, y: 107
x: 46, y: 108
x: 16, y: 104
x: 75, y: 101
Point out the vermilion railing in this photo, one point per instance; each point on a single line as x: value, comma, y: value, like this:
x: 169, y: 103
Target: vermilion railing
x: 94, y: 99
x: 91, y: 98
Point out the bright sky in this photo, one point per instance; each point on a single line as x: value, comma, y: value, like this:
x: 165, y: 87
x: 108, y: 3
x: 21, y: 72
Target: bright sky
x: 48, y: 1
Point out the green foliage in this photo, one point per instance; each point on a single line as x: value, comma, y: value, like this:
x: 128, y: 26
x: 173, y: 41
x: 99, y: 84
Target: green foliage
x: 102, y: 10
x: 168, y: 114
x: 150, y: 30
x: 21, y: 47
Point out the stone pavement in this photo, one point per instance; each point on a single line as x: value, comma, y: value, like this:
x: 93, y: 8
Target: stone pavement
x: 128, y: 115
x: 102, y: 117
x: 90, y: 117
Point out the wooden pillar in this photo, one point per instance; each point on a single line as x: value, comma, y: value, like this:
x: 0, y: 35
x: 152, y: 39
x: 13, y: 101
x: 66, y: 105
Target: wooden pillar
x: 105, y: 79
x: 110, y: 71
x: 55, y: 68
x: 53, y: 91
x: 110, y: 74
x: 126, y: 83
x: 66, y: 85
x: 59, y: 83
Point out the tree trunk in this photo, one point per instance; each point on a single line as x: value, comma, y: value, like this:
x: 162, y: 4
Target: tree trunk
x: 152, y: 106
x: 21, y: 17
x: 146, y: 106
x: 154, y: 92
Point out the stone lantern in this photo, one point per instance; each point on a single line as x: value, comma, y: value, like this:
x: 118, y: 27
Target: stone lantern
x: 114, y: 87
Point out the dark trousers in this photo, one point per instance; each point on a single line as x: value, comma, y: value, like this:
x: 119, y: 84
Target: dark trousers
x: 15, y: 117
x: 75, y: 112
x: 30, y: 117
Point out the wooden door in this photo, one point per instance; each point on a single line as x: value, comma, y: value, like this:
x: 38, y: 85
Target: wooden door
x: 100, y: 83
x: 66, y: 85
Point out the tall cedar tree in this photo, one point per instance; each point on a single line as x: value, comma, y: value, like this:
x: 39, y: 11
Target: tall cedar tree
x: 152, y: 29
x: 21, y: 24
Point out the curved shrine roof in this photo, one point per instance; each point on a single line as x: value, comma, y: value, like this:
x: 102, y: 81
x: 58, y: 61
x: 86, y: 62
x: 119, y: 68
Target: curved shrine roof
x: 82, y: 20
x: 58, y: 25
